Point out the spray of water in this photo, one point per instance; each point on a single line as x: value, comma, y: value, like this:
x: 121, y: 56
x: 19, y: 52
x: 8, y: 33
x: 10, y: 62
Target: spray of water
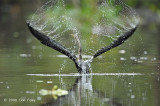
x: 85, y: 27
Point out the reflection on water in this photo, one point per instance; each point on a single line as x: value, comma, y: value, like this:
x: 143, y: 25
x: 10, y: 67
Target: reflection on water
x: 98, y: 89
x: 82, y: 92
x: 126, y: 76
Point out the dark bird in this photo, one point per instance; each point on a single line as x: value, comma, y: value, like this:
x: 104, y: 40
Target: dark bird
x: 82, y: 66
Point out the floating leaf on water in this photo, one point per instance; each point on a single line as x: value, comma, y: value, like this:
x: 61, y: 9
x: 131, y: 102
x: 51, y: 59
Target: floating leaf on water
x: 55, y: 92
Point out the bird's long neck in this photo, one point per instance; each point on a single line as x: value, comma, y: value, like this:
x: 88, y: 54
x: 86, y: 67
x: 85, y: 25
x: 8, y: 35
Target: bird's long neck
x: 80, y: 52
x: 79, y: 46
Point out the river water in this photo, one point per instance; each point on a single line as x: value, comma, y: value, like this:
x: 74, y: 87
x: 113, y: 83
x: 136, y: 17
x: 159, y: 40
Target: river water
x: 125, y: 76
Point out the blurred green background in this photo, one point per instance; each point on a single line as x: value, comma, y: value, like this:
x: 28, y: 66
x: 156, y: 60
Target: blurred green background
x: 22, y: 54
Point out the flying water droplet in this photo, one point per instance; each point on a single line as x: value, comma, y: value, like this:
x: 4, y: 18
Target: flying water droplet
x: 122, y: 51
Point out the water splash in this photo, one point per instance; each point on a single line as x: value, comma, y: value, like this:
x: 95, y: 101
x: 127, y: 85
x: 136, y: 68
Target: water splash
x: 91, y: 74
x: 84, y: 30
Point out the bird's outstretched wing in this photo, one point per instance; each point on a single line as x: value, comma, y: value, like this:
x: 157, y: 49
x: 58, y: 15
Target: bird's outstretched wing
x: 51, y: 43
x: 115, y: 43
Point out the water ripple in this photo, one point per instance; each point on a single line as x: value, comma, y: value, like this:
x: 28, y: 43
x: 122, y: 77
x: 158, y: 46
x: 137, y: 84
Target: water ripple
x: 91, y: 74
